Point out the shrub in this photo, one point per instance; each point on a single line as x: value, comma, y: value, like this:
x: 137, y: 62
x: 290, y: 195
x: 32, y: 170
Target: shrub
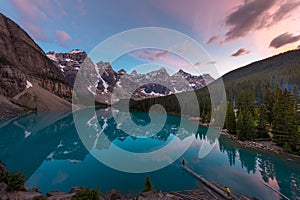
x: 87, y: 194
x: 14, y: 181
x: 39, y: 198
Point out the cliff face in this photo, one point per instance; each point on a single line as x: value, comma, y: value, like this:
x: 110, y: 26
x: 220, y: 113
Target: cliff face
x: 22, y: 59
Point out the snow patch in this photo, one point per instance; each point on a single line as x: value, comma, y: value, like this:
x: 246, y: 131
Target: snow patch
x: 105, y: 85
x: 52, y: 57
x: 177, y: 91
x: 152, y: 93
x: 118, y: 84
x: 76, y: 51
x: 92, y: 90
x: 28, y: 84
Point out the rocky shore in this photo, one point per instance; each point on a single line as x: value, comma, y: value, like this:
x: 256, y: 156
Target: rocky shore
x: 261, y: 145
x: 34, y: 194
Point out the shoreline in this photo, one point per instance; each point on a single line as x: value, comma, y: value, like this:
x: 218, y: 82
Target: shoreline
x: 266, y: 146
x: 262, y: 146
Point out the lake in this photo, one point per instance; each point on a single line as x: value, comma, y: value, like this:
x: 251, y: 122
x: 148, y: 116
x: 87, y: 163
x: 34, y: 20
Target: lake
x: 48, y: 150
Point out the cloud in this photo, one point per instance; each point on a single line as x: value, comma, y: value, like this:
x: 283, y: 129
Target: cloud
x: 164, y: 57
x: 246, y: 18
x: 150, y: 54
x: 36, y: 32
x: 62, y: 37
x: 212, y: 62
x: 213, y: 39
x: 81, y: 7
x: 298, y: 47
x: 32, y: 10
x: 283, y: 39
x: 255, y: 15
x: 197, y: 63
x: 35, y: 15
x: 285, y: 10
x: 240, y: 52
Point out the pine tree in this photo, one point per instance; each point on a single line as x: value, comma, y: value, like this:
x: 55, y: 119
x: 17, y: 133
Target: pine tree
x: 285, y: 126
x: 148, y: 185
x: 268, y: 99
x: 230, y: 119
x: 245, y: 125
x: 241, y: 134
x: 262, y: 122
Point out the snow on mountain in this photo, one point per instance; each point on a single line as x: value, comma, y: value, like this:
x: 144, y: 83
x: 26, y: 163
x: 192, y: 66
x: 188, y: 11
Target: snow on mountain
x: 127, y: 85
x: 28, y: 84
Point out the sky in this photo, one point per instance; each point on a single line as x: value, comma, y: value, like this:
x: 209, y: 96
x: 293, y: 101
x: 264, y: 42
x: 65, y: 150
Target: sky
x: 232, y: 33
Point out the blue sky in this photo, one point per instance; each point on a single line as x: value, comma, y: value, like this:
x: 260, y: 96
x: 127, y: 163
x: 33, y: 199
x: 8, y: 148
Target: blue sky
x: 233, y: 32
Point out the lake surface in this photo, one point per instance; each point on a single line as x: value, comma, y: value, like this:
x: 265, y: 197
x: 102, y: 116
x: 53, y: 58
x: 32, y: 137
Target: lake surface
x: 48, y: 150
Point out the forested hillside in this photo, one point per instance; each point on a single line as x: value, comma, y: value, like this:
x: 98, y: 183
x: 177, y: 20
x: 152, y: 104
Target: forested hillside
x: 262, y: 101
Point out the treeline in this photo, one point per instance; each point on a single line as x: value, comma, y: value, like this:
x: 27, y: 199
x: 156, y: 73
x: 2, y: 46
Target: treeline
x: 270, y: 114
x: 275, y: 117
x: 258, y: 105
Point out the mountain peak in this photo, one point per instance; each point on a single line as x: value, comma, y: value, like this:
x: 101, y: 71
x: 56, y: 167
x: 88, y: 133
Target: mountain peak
x: 25, y: 60
x: 122, y: 71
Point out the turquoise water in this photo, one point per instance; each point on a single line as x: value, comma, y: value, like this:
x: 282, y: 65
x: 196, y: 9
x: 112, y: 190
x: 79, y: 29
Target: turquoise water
x: 47, y: 149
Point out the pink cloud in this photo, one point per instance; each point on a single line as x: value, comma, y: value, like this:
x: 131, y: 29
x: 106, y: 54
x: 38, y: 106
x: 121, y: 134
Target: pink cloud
x: 212, y: 62
x: 62, y: 37
x: 197, y: 63
x: 149, y: 54
x: 192, y: 13
x: 213, y: 39
x: 36, y: 32
x: 33, y: 10
x: 81, y: 7
x: 165, y: 57
x: 35, y: 14
x: 256, y: 15
x: 241, y: 52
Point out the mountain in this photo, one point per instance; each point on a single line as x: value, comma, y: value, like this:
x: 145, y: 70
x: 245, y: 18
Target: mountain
x: 282, y: 69
x: 69, y: 63
x: 52, y: 75
x: 128, y: 85
x: 260, y: 76
x: 22, y: 61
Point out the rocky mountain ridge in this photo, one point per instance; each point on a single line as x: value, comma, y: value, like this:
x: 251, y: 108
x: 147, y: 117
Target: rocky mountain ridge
x: 135, y: 85
x: 23, y: 62
x: 22, y: 59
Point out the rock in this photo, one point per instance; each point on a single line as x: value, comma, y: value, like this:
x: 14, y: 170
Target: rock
x: 113, y: 195
x: 76, y: 189
x: 19, y: 195
x: 58, y: 195
x: 3, y: 187
x: 36, y: 189
x: 61, y: 197
x: 2, y: 167
x: 55, y: 193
